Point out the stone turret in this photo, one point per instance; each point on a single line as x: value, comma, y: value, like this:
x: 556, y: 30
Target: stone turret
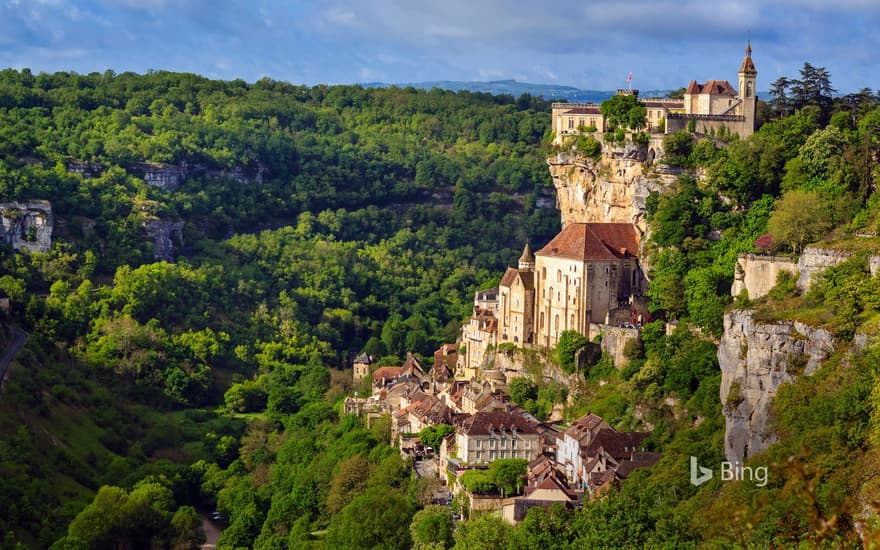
x: 527, y: 260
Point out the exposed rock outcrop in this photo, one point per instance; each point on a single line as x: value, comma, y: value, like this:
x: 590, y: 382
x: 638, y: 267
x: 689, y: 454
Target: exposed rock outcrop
x: 613, y: 189
x: 755, y: 360
x: 166, y: 235
x: 27, y: 225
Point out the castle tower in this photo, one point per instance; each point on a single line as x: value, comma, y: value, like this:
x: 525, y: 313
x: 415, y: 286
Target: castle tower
x: 361, y: 367
x: 527, y: 260
x: 748, y: 76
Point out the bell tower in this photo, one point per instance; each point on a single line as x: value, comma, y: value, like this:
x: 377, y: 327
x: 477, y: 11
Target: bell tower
x: 748, y: 76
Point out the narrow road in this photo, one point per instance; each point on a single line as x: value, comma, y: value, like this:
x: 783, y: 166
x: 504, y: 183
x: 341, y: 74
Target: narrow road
x: 19, y: 338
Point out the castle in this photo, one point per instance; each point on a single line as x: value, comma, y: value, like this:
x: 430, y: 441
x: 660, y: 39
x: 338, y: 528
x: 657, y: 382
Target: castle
x: 715, y: 106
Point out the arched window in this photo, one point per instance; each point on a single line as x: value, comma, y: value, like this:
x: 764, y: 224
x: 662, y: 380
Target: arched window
x: 556, y: 325
x: 748, y: 89
x: 572, y: 321
x: 558, y: 275
x: 542, y: 319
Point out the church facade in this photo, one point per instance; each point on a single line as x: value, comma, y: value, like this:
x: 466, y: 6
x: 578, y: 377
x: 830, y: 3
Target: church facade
x: 588, y: 274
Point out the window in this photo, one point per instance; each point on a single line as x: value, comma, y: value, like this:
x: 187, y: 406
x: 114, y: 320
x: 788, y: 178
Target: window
x: 558, y: 275
x: 581, y: 122
x: 542, y: 319
x: 543, y: 272
x: 570, y: 123
x: 572, y: 321
x: 748, y: 89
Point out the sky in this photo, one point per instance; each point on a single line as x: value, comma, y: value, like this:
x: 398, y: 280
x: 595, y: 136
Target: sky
x: 588, y: 44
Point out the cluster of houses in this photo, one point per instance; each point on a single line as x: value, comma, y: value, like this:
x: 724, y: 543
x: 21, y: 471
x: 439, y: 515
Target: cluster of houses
x: 566, y: 464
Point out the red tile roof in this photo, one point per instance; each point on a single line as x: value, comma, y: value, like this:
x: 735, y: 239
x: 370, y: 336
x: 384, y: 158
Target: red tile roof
x: 712, y: 87
x: 584, y: 111
x: 512, y: 274
x: 594, y: 241
x: 386, y: 373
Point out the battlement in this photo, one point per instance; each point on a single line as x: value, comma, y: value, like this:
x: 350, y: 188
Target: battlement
x: 721, y: 118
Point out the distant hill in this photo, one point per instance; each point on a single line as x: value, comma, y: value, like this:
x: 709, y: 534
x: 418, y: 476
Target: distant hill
x: 514, y: 88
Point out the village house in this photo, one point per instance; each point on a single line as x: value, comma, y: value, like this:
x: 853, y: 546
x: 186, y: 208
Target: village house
x: 711, y: 106
x: 578, y: 435
x: 477, y: 336
x: 488, y: 436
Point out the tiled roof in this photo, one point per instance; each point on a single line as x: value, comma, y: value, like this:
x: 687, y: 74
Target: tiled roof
x: 594, y: 241
x: 584, y: 111
x: 584, y: 426
x: 637, y: 460
x: 712, y: 87
x: 386, y: 373
x: 618, y: 445
x: 511, y: 275
x: 484, y: 423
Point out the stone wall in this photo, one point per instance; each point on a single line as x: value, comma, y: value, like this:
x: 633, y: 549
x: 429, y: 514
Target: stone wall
x: 756, y: 359
x: 27, y: 225
x: 614, y: 340
x: 757, y: 274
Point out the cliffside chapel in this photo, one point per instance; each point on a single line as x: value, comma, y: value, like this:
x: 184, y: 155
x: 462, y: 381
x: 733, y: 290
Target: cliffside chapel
x: 588, y: 274
x: 711, y: 106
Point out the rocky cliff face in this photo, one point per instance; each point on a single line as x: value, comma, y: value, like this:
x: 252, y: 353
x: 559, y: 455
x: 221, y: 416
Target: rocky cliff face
x: 27, y: 225
x: 614, y: 189
x: 166, y: 236
x: 755, y: 360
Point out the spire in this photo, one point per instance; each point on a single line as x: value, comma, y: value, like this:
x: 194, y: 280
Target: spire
x: 748, y: 67
x: 527, y: 260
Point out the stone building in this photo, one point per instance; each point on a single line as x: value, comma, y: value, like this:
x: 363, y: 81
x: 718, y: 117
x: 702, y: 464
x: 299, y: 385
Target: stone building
x: 711, y: 106
x: 361, y: 367
x: 516, y: 301
x: 588, y: 272
x: 489, y: 436
x: 478, y: 335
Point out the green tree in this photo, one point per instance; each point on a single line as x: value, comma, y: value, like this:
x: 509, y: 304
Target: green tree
x: 570, y: 343
x: 799, y: 217
x: 624, y: 110
x: 484, y: 533
x: 432, y: 436
x: 432, y: 528
x: 379, y: 518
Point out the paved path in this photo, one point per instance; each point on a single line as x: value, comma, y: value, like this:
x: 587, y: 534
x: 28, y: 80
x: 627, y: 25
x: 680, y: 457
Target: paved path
x: 18, y: 340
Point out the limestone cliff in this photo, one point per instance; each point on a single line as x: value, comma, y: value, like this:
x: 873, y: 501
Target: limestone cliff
x: 613, y: 189
x: 756, y: 359
x: 166, y: 235
x: 27, y: 225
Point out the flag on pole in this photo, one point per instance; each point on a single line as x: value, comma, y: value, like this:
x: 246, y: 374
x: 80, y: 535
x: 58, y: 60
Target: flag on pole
x: 629, y: 80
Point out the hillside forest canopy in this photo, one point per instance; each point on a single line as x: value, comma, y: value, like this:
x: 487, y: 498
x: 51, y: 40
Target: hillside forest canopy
x: 320, y: 222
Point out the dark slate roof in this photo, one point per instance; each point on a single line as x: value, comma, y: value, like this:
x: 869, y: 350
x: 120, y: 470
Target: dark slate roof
x: 618, y: 445
x: 364, y: 358
x: 594, y: 241
x: 484, y: 423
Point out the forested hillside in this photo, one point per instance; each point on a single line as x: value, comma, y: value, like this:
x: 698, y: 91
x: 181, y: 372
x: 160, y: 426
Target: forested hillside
x: 375, y: 216
x: 323, y: 221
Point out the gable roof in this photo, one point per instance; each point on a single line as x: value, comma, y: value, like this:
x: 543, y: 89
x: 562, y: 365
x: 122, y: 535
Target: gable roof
x: 386, y: 373
x: 582, y: 428
x: 711, y: 87
x: 484, y: 423
x: 618, y: 445
x: 512, y: 274
x: 593, y: 241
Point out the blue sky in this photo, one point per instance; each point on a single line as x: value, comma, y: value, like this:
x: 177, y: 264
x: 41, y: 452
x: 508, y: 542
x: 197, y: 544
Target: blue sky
x: 589, y: 44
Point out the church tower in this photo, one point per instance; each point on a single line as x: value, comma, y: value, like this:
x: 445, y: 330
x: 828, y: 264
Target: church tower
x: 527, y: 260
x: 748, y: 76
